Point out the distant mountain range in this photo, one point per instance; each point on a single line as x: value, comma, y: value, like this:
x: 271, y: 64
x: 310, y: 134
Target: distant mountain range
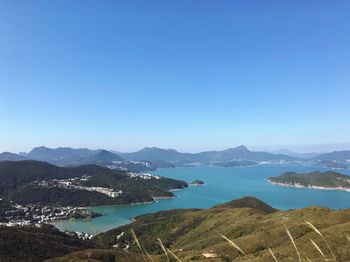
x: 150, y: 158
x: 296, y: 154
x: 173, y: 156
x: 7, y: 156
x: 341, y: 156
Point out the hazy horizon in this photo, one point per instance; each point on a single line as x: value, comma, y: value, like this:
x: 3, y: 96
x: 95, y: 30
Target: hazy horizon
x: 175, y: 74
x: 273, y: 149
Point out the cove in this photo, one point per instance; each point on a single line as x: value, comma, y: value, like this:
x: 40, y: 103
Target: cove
x: 221, y: 185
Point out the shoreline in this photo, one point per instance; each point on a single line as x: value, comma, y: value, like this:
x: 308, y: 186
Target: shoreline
x: 346, y: 189
x: 155, y: 200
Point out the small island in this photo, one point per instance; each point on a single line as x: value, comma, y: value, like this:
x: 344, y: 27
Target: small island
x: 319, y: 180
x: 197, y: 183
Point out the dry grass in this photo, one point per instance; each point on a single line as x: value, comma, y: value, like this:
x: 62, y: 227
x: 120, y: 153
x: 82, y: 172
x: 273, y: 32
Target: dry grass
x: 347, y: 237
x: 293, y: 242
x: 318, y: 249
x: 273, y: 255
x: 171, y: 253
x: 233, y: 245
x: 163, y: 248
x: 301, y: 257
x: 143, y: 251
x: 320, y: 234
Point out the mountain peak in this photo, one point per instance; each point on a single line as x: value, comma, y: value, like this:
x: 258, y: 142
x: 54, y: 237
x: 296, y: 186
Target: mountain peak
x: 146, y: 149
x: 250, y: 202
x: 240, y: 149
x: 41, y: 148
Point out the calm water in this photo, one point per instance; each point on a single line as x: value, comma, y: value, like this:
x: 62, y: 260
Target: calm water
x: 222, y: 185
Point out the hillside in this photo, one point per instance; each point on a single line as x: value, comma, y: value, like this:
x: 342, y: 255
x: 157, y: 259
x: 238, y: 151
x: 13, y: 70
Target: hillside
x: 66, y: 156
x: 251, y: 224
x: 329, y: 179
x: 59, y: 156
x: 341, y: 156
x: 100, y: 157
x: 31, y: 244
x: 159, y: 154
x: 20, y: 182
x: 194, y: 234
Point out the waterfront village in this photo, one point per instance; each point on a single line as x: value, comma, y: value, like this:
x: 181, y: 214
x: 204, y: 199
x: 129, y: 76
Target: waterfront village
x: 35, y: 215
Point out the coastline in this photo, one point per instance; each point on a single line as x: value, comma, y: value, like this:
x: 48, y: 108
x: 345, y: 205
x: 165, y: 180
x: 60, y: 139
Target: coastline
x: 155, y: 199
x: 347, y: 189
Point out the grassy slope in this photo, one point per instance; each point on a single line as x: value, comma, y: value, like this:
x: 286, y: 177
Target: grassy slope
x: 189, y: 233
x: 250, y: 223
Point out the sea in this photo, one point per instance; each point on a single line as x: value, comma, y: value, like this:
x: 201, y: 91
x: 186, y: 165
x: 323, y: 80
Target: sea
x: 221, y: 185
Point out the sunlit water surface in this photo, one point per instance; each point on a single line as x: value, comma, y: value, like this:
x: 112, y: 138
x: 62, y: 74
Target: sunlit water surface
x: 222, y: 185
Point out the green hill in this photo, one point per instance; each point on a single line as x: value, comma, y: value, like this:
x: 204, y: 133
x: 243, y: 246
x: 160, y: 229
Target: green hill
x: 36, y: 244
x: 329, y: 179
x: 192, y: 234
x: 16, y: 184
x: 251, y: 224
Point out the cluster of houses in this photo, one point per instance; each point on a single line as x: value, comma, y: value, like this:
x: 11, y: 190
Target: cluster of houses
x: 143, y: 175
x: 75, y: 183
x: 21, y: 215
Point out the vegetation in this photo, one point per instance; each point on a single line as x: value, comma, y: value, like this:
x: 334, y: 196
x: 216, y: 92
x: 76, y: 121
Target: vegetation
x: 36, y: 244
x: 327, y: 179
x: 16, y: 185
x: 257, y: 229
x: 246, y: 229
x: 70, y: 197
x: 197, y: 182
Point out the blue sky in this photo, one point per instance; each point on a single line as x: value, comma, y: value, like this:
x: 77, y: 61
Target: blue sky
x: 191, y: 75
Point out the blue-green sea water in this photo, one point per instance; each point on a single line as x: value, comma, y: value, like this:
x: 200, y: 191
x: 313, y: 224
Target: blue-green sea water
x: 222, y: 185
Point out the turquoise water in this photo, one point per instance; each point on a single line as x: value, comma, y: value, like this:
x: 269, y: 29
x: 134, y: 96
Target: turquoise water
x: 222, y: 185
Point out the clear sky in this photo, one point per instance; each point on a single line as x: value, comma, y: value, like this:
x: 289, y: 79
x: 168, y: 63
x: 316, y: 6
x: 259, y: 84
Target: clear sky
x: 191, y: 75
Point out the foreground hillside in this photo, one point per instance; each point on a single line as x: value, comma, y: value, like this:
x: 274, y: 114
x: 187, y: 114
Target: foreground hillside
x: 251, y: 224
x: 32, y: 244
x: 196, y: 235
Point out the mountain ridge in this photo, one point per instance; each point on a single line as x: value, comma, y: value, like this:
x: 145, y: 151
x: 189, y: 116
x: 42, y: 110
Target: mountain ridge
x: 66, y: 156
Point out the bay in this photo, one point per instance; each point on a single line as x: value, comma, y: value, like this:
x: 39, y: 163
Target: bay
x: 221, y: 185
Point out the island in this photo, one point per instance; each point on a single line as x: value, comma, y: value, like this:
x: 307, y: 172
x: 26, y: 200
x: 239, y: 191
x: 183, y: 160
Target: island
x: 197, y: 183
x: 318, y: 180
